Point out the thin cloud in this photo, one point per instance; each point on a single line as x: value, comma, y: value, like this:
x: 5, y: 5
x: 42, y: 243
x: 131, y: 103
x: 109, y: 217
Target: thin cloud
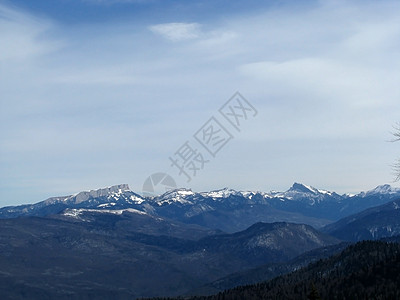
x: 21, y: 35
x: 177, y: 31
x: 111, y: 2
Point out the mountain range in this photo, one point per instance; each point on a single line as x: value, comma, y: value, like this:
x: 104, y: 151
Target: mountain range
x: 113, y: 243
x: 226, y: 209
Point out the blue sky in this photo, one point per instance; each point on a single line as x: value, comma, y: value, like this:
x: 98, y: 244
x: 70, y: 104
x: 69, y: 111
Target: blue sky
x: 100, y: 92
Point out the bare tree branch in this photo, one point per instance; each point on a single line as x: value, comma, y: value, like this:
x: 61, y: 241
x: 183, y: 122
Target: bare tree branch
x: 396, y: 166
x: 396, y: 133
x: 396, y: 169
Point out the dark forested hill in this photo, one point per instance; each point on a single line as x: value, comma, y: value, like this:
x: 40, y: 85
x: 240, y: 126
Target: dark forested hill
x: 120, y: 254
x: 366, y: 270
x: 371, y: 224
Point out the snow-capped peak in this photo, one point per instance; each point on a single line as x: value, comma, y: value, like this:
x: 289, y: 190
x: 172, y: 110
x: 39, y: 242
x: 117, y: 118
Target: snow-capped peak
x: 180, y: 191
x: 85, y: 195
x: 176, y: 195
x: 221, y: 193
x: 302, y: 188
x: 382, y: 189
x: 304, y: 193
x: 113, y: 193
x: 299, y: 187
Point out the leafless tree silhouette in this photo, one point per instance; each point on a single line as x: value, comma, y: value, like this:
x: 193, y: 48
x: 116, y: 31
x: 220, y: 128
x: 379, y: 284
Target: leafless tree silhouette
x: 396, y: 166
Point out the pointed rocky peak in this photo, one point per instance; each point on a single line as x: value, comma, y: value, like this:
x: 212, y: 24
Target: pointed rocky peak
x: 302, y: 188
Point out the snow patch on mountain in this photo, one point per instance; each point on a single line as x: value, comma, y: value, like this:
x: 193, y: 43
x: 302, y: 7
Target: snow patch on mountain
x: 395, y: 205
x: 222, y: 193
x: 267, y: 240
x: 76, y: 213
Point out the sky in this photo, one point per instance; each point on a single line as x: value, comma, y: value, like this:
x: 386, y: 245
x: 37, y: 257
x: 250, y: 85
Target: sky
x: 95, y: 93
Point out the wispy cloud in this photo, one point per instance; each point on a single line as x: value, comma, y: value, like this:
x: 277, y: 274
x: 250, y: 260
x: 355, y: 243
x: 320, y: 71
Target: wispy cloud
x: 177, y: 31
x: 21, y: 35
x: 110, y: 2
